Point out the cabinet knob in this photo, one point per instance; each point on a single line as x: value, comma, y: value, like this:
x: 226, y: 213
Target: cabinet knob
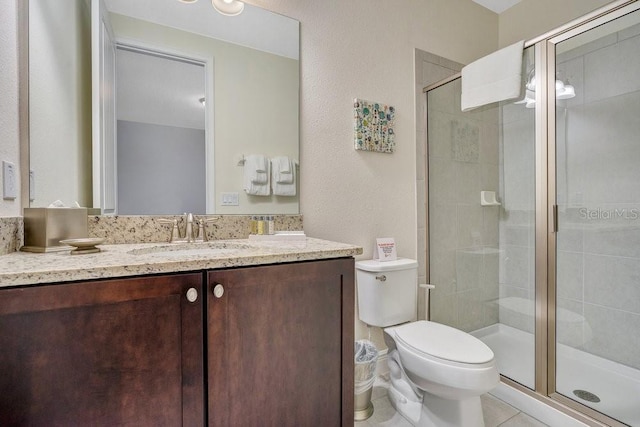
x: 218, y: 290
x: 192, y: 295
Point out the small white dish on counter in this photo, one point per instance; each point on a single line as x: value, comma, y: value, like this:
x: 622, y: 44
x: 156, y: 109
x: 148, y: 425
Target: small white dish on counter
x: 83, y: 246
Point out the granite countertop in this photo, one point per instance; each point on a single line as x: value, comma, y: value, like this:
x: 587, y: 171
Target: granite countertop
x: 22, y: 268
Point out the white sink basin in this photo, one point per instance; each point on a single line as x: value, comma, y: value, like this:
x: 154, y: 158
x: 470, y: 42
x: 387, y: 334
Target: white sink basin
x: 193, y: 249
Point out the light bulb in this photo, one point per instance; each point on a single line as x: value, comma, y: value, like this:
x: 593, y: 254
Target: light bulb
x: 228, y: 7
x: 567, y: 93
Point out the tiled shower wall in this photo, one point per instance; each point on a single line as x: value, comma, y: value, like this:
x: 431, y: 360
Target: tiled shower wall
x: 599, y: 195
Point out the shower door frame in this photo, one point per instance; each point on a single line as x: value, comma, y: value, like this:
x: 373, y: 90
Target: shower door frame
x: 546, y: 212
x: 546, y: 201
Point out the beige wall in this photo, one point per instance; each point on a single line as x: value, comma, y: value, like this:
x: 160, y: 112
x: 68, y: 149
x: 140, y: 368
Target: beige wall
x: 531, y: 18
x: 9, y: 143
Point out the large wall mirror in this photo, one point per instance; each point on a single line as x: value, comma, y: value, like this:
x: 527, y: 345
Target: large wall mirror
x: 149, y: 106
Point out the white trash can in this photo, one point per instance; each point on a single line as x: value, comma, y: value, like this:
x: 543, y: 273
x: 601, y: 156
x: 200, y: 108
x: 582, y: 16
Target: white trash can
x: 366, y: 358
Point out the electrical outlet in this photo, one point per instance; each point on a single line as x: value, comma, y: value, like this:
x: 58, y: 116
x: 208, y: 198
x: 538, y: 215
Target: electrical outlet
x: 230, y: 199
x: 9, y: 184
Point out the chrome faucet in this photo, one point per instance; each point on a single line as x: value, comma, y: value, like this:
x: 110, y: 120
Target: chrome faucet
x: 192, y: 233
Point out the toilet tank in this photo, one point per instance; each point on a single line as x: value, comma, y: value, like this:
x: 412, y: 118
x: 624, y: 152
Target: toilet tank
x: 387, y: 291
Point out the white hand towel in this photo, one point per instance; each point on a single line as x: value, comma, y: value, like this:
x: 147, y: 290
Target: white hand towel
x: 259, y: 177
x: 495, y: 77
x: 285, y: 164
x: 281, y: 170
x: 281, y: 188
x: 258, y: 167
x: 256, y: 175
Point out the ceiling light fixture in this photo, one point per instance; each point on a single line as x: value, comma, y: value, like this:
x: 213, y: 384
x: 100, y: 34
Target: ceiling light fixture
x: 568, y: 91
x: 228, y: 7
x: 563, y: 91
x: 224, y: 7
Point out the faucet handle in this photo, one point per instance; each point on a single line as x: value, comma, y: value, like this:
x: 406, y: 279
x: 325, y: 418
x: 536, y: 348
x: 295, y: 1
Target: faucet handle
x: 202, y: 228
x: 175, y: 233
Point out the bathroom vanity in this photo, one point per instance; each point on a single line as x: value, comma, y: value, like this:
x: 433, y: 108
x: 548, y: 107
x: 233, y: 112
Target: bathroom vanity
x: 224, y: 334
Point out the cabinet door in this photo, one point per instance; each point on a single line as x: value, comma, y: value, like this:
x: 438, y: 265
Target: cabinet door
x: 103, y: 353
x: 280, y: 345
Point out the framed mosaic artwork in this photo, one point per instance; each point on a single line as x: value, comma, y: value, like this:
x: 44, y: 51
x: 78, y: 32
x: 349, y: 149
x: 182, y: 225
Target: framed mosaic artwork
x: 373, y: 126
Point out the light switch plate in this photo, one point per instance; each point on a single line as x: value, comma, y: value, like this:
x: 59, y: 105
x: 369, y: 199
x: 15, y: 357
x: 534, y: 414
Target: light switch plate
x: 230, y: 199
x: 9, y: 184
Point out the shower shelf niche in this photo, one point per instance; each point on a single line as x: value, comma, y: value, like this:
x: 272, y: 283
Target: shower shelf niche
x: 488, y: 198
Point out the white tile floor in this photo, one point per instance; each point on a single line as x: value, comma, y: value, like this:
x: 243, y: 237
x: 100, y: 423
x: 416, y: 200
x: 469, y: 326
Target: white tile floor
x: 496, y: 412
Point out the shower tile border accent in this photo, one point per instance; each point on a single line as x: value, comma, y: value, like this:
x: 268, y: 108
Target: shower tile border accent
x: 11, y: 234
x: 146, y: 228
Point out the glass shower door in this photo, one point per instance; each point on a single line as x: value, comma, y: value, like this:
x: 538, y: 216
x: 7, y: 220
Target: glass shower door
x: 482, y: 253
x: 598, y: 237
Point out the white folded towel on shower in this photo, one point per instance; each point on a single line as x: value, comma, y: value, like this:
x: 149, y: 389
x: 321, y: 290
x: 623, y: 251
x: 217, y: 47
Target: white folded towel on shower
x: 493, y: 78
x: 256, y: 175
x: 281, y: 170
x: 284, y: 183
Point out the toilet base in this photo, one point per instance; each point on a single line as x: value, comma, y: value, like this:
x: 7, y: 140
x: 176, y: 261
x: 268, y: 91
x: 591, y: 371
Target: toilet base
x: 435, y: 411
x: 440, y: 412
x: 411, y: 410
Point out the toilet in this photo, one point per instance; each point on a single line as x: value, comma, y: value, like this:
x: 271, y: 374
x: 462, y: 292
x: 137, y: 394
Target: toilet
x: 437, y: 373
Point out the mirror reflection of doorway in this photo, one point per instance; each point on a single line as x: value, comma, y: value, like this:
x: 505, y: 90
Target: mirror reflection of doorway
x: 161, y: 141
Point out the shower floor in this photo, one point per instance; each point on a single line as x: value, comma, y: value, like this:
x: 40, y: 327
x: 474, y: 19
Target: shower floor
x: 617, y: 386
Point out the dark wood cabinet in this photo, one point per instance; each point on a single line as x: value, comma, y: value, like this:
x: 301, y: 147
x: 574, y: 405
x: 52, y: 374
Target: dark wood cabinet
x: 280, y: 345
x: 112, y: 352
x: 275, y: 349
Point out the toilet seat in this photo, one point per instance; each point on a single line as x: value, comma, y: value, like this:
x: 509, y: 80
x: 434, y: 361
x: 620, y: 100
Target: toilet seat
x: 444, y: 343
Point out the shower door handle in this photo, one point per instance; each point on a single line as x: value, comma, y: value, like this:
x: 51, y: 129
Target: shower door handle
x: 554, y: 226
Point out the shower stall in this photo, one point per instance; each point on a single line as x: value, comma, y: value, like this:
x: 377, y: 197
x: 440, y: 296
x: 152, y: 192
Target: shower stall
x: 547, y: 272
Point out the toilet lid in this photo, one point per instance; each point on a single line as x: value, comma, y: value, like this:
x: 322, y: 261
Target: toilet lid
x: 444, y: 342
